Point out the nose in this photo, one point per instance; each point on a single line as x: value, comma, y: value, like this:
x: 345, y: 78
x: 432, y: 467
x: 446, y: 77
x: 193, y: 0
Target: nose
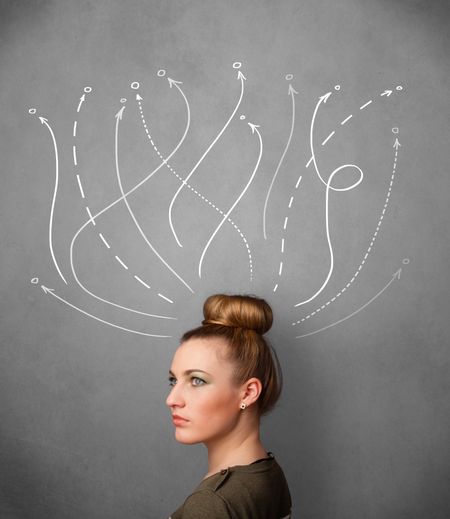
x: 175, y: 397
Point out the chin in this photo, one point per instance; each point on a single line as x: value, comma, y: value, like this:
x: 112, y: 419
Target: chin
x: 186, y: 438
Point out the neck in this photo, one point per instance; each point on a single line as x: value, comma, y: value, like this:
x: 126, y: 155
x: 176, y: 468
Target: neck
x: 242, y: 448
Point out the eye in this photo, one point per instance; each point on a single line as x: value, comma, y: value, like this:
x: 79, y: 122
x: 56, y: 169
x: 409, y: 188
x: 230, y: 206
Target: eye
x: 196, y: 381
x: 172, y: 381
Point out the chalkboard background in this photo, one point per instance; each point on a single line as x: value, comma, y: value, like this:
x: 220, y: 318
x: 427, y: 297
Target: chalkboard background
x: 288, y: 197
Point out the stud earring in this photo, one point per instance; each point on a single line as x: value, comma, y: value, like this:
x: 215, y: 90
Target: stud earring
x: 243, y: 405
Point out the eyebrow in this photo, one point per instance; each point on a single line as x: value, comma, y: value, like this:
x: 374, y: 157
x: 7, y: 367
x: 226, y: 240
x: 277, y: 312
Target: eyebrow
x: 189, y: 371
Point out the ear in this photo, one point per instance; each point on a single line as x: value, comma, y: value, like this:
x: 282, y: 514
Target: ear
x: 250, y: 390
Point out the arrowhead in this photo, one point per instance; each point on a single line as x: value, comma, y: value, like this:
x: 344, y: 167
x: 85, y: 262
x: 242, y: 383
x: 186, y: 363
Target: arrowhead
x: 47, y: 290
x: 325, y: 97
x: 43, y: 120
x: 83, y: 97
x: 396, y: 144
x: 253, y: 126
x: 173, y: 82
x: 387, y: 93
x: 119, y: 114
x: 292, y: 90
x: 240, y: 75
x: 138, y: 97
x: 397, y: 274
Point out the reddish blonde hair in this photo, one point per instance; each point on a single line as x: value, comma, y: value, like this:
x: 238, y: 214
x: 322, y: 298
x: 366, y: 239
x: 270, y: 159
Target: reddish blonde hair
x: 242, y: 321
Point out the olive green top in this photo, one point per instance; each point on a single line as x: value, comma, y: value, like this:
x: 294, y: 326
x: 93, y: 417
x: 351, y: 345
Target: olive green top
x: 255, y: 491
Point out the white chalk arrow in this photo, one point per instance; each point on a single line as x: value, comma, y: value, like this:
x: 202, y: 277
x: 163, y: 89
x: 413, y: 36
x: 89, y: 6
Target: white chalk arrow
x: 241, y: 77
x: 124, y: 196
x: 323, y: 99
x: 82, y: 99
x: 396, y: 144
x: 119, y: 116
x: 107, y: 208
x: 386, y: 93
x: 291, y: 90
x: 51, y: 291
x: 254, y: 128
x: 172, y: 82
x: 292, y: 93
x: 198, y: 193
x: 55, y: 191
x: 395, y: 276
x: 139, y: 99
x: 366, y: 255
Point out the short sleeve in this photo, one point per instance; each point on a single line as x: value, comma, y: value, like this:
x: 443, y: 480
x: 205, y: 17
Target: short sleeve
x: 206, y: 504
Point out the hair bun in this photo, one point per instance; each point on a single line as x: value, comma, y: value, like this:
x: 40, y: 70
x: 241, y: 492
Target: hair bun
x: 246, y: 312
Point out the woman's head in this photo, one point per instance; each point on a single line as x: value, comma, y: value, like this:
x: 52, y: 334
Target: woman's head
x: 241, y: 322
x: 222, y: 366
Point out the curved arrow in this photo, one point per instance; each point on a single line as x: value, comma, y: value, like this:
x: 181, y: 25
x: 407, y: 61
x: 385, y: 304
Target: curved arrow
x: 366, y: 255
x: 92, y: 220
x: 112, y: 204
x: 254, y: 128
x: 50, y: 226
x: 52, y: 293
x: 172, y: 170
x: 143, y: 181
x: 82, y: 99
x: 241, y: 77
x: 322, y: 99
x: 395, y: 276
x: 119, y: 116
x: 291, y: 92
x: 139, y: 99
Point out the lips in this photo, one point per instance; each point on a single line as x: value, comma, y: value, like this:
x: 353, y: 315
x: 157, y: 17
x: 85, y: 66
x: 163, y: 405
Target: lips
x: 178, y: 420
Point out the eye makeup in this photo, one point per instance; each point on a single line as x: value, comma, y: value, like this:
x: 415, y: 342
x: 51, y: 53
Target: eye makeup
x: 197, y: 377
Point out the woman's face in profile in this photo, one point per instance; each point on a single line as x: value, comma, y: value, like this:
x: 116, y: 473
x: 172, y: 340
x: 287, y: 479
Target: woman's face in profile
x: 204, y: 399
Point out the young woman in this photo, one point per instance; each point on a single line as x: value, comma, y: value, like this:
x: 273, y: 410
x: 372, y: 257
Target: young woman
x: 224, y: 377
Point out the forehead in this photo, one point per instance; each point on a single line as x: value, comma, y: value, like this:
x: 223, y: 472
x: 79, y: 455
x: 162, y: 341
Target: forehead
x: 201, y: 353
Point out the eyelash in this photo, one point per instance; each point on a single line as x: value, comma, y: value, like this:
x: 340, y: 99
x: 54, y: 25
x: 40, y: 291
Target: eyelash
x: 173, y: 381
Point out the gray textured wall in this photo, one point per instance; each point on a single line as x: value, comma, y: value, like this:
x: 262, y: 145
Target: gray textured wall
x: 363, y: 426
